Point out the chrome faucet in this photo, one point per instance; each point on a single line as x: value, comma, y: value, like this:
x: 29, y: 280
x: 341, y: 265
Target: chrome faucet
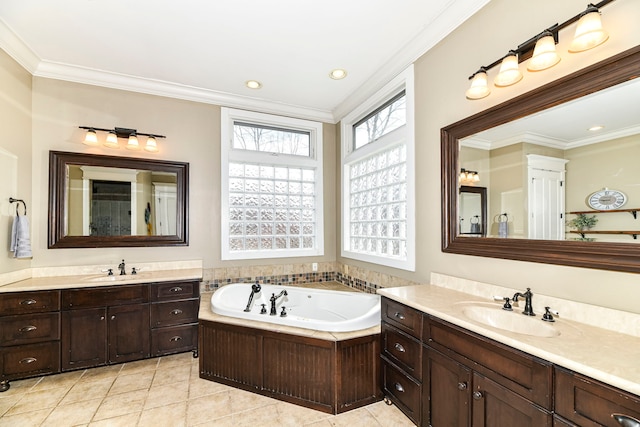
x: 528, y: 309
x: 255, y: 288
x: 273, y: 300
x: 122, y: 268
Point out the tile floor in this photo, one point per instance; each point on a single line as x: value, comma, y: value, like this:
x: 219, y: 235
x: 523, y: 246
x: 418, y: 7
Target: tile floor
x: 161, y: 392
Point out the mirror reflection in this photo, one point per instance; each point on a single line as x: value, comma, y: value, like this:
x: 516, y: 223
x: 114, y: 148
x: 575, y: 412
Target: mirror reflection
x: 545, y: 172
x: 106, y: 201
x: 473, y: 211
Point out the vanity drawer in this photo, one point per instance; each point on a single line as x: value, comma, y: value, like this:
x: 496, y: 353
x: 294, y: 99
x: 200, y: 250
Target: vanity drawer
x: 32, y: 359
x: 26, y: 329
x: 174, y: 339
x: 174, y: 290
x: 585, y: 401
x: 174, y: 312
x: 29, y: 302
x: 103, y: 297
x: 403, y: 390
x: 405, y: 318
x: 402, y: 350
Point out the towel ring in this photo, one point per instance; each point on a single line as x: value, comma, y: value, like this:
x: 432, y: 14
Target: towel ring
x: 18, y: 201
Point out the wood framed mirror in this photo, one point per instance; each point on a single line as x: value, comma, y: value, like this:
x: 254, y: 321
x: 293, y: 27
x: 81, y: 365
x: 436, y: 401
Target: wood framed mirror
x: 108, y: 201
x: 613, y: 71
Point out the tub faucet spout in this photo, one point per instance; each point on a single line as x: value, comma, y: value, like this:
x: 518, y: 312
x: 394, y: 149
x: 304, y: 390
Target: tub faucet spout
x: 255, y: 288
x: 273, y: 300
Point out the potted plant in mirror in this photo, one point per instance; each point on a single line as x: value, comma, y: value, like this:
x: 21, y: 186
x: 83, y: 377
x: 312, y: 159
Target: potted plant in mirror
x: 583, y: 223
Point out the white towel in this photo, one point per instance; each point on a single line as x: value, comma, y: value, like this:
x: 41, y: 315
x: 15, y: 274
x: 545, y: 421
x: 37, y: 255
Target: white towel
x: 20, y: 240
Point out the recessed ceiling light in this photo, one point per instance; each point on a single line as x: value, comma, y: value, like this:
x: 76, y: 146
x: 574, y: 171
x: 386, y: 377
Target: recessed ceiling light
x: 595, y: 128
x: 338, y: 74
x: 253, y: 84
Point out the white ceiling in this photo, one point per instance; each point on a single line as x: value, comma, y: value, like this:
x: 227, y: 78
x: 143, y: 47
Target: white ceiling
x: 205, y: 50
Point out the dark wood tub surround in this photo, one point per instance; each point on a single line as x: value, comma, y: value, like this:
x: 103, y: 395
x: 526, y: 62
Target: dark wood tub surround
x: 330, y: 376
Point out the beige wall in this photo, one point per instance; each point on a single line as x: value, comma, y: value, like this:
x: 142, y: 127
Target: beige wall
x: 193, y: 132
x: 15, y: 147
x: 441, y: 80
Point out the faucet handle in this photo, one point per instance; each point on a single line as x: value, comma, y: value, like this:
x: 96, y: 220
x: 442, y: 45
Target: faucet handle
x: 134, y: 270
x: 109, y: 271
x: 507, y: 302
x: 264, y: 309
x: 547, y: 316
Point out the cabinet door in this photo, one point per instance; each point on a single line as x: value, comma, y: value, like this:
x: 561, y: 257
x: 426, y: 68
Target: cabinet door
x: 496, y: 406
x: 84, y: 338
x: 128, y: 332
x: 446, y: 391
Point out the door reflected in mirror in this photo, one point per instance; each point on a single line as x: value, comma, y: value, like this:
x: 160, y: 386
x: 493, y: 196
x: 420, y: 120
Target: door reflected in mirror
x: 473, y: 211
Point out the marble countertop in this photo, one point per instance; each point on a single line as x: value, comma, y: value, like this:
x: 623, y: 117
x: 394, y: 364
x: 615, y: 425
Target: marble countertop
x: 95, y: 280
x: 602, y: 354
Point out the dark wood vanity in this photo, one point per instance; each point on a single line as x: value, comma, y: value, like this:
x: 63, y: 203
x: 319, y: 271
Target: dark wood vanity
x: 440, y: 374
x: 46, y: 332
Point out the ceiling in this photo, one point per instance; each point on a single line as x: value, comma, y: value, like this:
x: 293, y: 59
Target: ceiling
x: 205, y: 50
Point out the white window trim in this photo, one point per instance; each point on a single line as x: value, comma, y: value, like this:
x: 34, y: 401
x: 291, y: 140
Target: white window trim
x: 228, y: 117
x: 404, y: 80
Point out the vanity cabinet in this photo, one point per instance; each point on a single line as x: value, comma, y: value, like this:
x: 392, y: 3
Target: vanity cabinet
x: 582, y: 401
x: 104, y: 325
x: 174, y: 317
x: 441, y: 375
x: 29, y: 335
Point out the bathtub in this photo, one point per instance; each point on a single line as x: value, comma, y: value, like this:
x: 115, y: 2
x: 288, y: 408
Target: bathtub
x: 309, y: 308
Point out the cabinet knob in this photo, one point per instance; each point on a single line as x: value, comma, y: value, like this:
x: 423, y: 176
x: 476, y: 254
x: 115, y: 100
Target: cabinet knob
x: 113, y: 317
x: 477, y: 395
x: 175, y: 339
x: 176, y: 311
x: 399, y: 316
x: 28, y: 302
x: 28, y: 328
x: 176, y: 289
x: 101, y: 317
x: 462, y: 386
x: 28, y: 360
x: 399, y: 347
x: 399, y: 387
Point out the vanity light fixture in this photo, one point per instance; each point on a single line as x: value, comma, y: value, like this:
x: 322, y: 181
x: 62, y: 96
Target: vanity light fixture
x: 541, y: 51
x: 509, y: 71
x: 112, y: 136
x: 468, y: 177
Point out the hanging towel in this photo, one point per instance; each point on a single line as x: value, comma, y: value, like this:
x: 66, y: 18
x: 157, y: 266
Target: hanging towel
x: 20, y: 240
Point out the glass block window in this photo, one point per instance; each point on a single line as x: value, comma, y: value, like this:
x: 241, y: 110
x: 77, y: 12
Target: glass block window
x: 378, y: 208
x: 271, y: 186
x: 378, y: 179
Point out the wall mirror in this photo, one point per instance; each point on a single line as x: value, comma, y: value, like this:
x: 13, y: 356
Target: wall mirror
x: 108, y: 201
x: 506, y: 160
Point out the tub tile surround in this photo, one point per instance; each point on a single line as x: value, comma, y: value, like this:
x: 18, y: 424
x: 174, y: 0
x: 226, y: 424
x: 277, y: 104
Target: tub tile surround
x: 607, y: 351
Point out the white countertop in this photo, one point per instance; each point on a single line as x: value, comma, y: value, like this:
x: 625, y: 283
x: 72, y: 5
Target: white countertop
x: 602, y: 354
x: 94, y: 280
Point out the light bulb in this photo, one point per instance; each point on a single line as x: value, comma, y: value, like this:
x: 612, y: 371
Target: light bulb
x: 133, y: 142
x: 112, y: 140
x: 479, y: 88
x: 544, y: 53
x: 509, y: 71
x: 151, y: 145
x: 589, y: 32
x: 91, y: 138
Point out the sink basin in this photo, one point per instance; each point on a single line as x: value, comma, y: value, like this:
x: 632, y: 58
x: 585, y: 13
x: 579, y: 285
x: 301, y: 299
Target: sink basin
x: 114, y: 278
x: 512, y: 321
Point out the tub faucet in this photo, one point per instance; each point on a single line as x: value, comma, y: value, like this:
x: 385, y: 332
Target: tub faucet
x: 122, y: 268
x: 273, y: 300
x: 528, y: 309
x: 255, y: 288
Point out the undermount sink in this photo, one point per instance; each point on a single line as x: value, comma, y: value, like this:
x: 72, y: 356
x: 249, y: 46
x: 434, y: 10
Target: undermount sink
x: 113, y: 278
x: 512, y: 321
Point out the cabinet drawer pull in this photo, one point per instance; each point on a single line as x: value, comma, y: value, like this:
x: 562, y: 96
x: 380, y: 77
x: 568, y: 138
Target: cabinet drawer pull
x: 399, y: 347
x: 113, y: 317
x: 175, y: 339
x: 399, y: 316
x: 28, y: 360
x: 28, y: 328
x: 176, y: 289
x: 28, y: 302
x: 176, y: 311
x: 626, y: 420
x: 477, y: 395
x: 399, y: 387
x: 462, y: 386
